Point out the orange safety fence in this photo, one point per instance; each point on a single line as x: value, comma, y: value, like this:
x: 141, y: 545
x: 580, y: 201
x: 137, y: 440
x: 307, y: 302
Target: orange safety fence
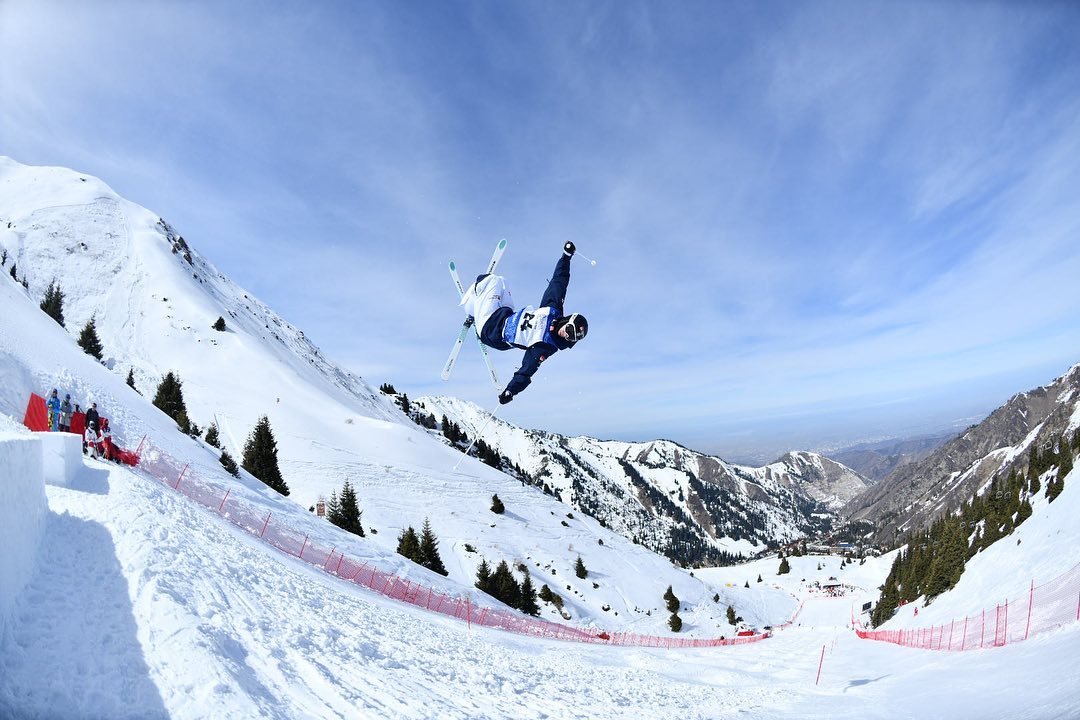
x: 1044, y: 607
x: 180, y: 477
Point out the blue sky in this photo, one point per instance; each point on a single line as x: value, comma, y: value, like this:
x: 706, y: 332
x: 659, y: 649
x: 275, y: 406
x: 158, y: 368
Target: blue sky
x: 813, y: 222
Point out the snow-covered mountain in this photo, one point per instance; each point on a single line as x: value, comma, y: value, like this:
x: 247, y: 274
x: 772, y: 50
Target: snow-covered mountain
x: 154, y: 298
x: 120, y: 598
x: 915, y: 494
x: 692, y: 507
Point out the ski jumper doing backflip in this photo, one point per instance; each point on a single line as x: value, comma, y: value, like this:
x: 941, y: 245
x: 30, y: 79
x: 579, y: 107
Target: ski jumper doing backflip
x: 540, y: 332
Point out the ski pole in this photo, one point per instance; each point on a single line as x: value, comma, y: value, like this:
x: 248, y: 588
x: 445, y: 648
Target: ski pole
x: 477, y: 435
x: 591, y: 261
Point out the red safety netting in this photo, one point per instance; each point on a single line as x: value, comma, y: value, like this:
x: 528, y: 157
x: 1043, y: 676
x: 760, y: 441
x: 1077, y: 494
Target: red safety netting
x: 1044, y: 607
x: 159, y: 465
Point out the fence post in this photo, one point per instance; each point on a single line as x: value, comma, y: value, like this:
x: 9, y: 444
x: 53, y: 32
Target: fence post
x: 952, y: 625
x: 302, y: 549
x: 1005, y: 635
x: 263, y: 532
x: 820, y: 662
x: 963, y: 641
x: 181, y: 477
x: 223, y: 500
x: 337, y: 570
x: 1031, y: 598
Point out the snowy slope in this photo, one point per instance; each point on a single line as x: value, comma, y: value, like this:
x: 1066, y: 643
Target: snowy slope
x: 144, y: 605
x: 154, y: 314
x: 695, y: 508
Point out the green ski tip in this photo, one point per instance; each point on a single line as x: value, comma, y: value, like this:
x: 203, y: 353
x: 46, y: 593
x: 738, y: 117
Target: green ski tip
x: 502, y: 243
x: 452, y: 265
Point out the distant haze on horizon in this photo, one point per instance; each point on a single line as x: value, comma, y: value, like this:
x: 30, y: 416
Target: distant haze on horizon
x: 814, y: 224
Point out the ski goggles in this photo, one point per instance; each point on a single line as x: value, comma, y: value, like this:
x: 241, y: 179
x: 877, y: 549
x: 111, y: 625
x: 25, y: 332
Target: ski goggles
x: 571, y: 329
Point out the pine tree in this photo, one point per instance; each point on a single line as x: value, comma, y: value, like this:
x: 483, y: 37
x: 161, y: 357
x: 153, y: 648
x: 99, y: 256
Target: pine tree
x: 260, y: 456
x: 53, y: 304
x: 219, y: 325
x: 169, y: 398
x: 528, y: 596
x: 545, y: 593
x: 675, y: 622
x: 747, y: 585
x: 759, y: 576
x: 229, y: 464
x: 579, y: 568
x: 497, y: 506
x: 731, y: 615
x: 785, y: 568
x: 483, y: 577
x: 505, y: 587
x: 387, y: 389
x: 671, y: 601
x: 11, y: 272
x: 212, y: 436
x: 88, y: 339
x: 429, y: 550
x: 131, y: 380
x: 349, y: 511
x: 333, y: 508
x: 409, y: 546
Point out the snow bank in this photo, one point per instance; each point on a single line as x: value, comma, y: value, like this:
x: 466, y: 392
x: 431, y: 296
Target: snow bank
x: 61, y: 455
x: 23, y: 511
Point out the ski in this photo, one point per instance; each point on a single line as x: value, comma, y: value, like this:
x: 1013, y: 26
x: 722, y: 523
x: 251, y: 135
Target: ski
x: 496, y: 256
x: 449, y: 367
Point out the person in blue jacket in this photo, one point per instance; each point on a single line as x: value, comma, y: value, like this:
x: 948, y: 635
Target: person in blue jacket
x: 540, y: 332
x: 53, y: 405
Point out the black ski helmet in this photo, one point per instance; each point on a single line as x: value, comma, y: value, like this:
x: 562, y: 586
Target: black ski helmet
x: 578, y: 327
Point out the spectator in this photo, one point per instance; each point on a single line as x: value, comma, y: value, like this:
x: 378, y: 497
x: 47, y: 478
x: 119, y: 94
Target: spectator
x: 53, y: 404
x: 91, y: 439
x: 92, y: 415
x: 65, y: 414
x: 106, y: 440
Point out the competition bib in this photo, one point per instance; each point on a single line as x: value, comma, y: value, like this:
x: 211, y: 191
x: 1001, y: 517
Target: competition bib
x: 528, y: 326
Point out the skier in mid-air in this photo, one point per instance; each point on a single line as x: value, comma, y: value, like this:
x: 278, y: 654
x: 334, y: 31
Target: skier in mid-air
x: 540, y: 332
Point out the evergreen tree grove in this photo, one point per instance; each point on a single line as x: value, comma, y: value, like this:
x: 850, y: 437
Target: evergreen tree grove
x: 260, y: 456
x: 212, y: 436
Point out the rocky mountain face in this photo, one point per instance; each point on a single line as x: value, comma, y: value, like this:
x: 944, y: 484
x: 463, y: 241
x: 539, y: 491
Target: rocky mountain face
x: 915, y: 494
x: 877, y: 460
x: 694, y: 508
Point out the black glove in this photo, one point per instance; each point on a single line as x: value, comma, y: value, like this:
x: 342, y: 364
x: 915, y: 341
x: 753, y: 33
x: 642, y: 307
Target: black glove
x: 569, y: 248
x: 505, y: 396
